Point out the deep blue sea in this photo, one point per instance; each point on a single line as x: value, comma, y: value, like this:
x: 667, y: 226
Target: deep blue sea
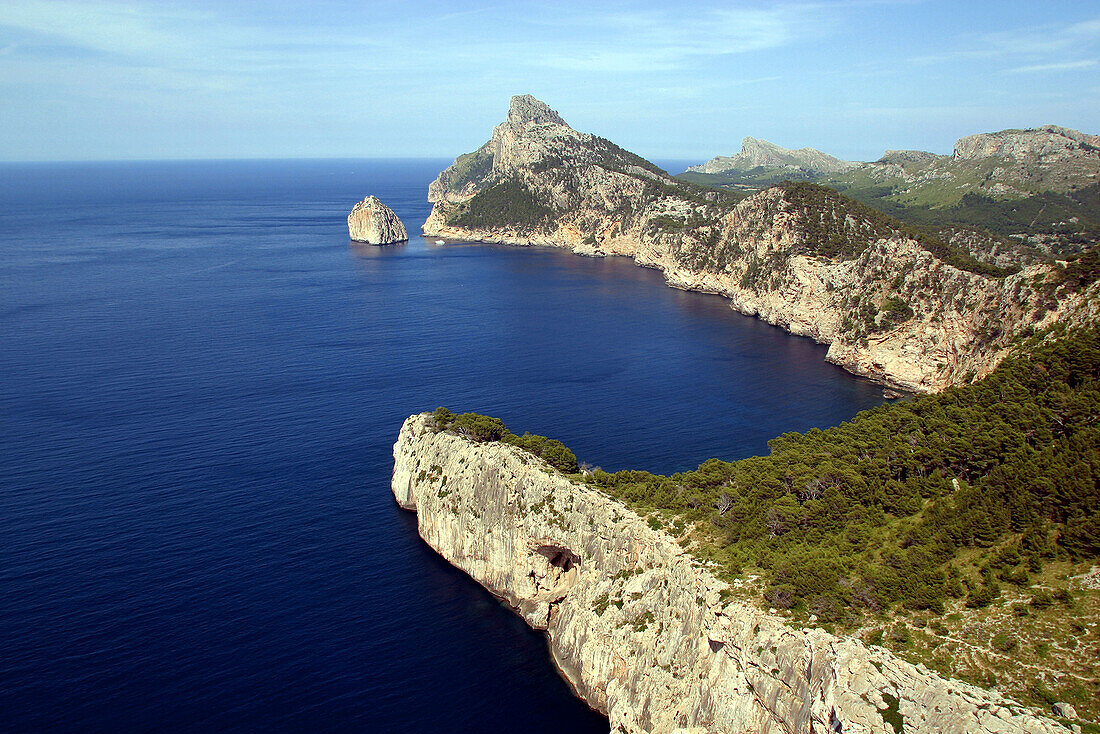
x: 200, y: 383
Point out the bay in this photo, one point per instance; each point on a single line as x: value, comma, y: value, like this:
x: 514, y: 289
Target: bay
x: 201, y: 383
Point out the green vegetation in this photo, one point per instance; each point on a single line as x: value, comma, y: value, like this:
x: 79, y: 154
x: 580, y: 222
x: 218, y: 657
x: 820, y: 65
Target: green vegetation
x: 1045, y: 212
x: 945, y: 528
x: 1081, y: 272
x: 759, y: 177
x: 1070, y: 219
x: 506, y: 204
x: 892, y: 714
x: 614, y: 158
x: 897, y: 310
x: 879, y: 512
x: 828, y: 233
x: 484, y: 429
x: 471, y: 167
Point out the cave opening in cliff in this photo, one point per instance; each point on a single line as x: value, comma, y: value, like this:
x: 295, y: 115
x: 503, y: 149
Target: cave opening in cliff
x: 559, y: 557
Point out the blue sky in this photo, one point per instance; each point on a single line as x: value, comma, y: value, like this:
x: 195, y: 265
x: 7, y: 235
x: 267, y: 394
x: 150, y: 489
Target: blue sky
x: 102, y: 80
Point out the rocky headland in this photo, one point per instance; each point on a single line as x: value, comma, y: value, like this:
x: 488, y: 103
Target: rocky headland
x: 373, y: 222
x: 646, y: 633
x: 899, y: 307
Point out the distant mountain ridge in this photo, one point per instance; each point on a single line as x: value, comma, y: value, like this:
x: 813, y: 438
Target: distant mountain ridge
x: 1036, y: 190
x: 757, y: 153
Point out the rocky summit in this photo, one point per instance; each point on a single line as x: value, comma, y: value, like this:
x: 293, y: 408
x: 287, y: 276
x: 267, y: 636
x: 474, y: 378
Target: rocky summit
x: 1051, y: 143
x: 762, y: 154
x: 646, y: 633
x: 895, y: 304
x: 373, y: 222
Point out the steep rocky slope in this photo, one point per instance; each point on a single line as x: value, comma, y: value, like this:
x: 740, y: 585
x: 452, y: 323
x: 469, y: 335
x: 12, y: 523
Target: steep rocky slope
x: 642, y: 630
x: 900, y: 309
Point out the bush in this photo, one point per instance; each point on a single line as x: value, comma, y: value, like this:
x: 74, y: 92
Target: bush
x: 483, y: 428
x: 442, y: 419
x: 1002, y: 642
x: 478, y: 427
x: 550, y: 450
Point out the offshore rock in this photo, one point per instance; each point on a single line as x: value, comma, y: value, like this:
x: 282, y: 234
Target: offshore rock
x: 811, y: 263
x: 373, y: 222
x: 643, y: 631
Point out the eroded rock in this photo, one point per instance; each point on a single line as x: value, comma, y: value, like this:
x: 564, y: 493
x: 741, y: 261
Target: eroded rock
x: 373, y: 222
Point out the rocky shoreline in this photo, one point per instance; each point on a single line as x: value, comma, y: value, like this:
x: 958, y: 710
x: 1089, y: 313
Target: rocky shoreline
x: 889, y: 309
x: 643, y: 631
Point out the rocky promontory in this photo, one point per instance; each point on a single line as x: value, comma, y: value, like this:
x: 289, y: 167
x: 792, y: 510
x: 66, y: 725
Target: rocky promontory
x: 373, y: 222
x: 894, y: 305
x: 646, y: 633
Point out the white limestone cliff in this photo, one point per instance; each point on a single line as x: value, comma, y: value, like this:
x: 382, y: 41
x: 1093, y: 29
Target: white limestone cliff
x: 373, y: 222
x: 642, y: 630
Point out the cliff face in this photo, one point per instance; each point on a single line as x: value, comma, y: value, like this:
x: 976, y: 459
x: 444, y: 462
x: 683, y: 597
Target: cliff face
x: 811, y: 262
x: 641, y: 630
x: 373, y: 222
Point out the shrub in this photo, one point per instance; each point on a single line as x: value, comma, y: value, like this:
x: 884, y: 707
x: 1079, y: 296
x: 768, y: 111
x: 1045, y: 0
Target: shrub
x: 478, y: 427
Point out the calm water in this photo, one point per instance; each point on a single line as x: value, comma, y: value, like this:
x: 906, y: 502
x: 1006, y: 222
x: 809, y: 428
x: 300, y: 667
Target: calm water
x: 201, y: 384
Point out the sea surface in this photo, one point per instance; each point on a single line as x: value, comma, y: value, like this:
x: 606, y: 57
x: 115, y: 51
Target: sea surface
x: 200, y: 383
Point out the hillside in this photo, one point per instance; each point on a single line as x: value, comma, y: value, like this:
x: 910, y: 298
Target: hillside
x: 953, y: 524
x: 958, y: 530
x: 906, y: 307
x: 646, y: 632
x: 1021, y: 194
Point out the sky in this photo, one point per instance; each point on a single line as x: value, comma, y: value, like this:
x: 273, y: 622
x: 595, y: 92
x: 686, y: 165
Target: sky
x: 110, y: 80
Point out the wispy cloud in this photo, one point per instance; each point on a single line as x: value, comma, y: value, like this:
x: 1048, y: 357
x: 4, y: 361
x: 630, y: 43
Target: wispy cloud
x: 340, y: 72
x: 1062, y: 66
x: 1047, y: 46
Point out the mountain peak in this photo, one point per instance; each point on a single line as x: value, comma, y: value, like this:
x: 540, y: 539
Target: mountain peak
x: 760, y: 153
x: 527, y: 109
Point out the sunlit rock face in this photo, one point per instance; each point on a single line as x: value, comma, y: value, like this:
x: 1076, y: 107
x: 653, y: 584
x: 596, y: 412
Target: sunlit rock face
x: 373, y: 222
x: 642, y: 630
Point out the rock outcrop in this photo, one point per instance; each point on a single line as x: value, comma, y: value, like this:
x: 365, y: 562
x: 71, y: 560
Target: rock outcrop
x: 797, y: 256
x: 643, y: 631
x: 373, y: 222
x: 1050, y: 142
x: 1010, y: 164
x: 762, y: 154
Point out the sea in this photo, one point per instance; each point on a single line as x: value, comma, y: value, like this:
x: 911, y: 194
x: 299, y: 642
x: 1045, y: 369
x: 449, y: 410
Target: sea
x: 201, y: 380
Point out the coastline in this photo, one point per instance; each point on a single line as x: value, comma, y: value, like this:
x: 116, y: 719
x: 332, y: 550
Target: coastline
x: 641, y: 629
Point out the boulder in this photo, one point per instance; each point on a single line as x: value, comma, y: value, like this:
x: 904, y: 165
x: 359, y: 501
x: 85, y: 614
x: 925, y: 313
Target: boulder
x: 1064, y: 710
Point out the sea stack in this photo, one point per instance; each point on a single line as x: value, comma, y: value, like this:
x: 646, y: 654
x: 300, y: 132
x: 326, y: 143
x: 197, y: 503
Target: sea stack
x: 373, y: 222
